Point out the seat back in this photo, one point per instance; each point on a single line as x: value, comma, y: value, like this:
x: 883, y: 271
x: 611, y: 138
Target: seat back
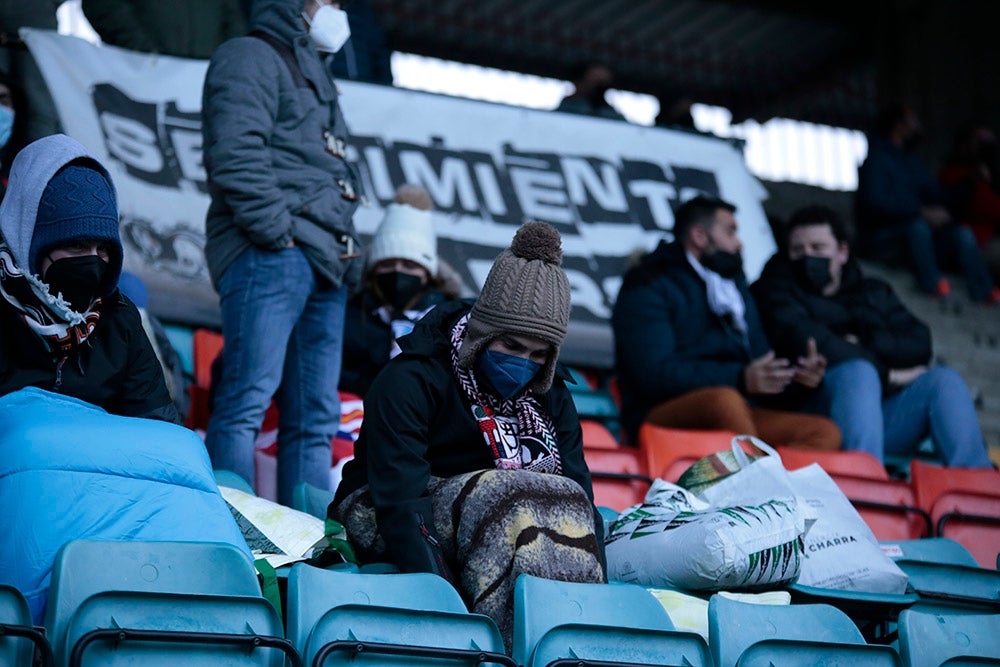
x: 85, y: 568
x: 311, y: 500
x: 813, y: 630
x: 927, y: 640
x: 205, y: 347
x: 930, y: 481
x: 421, y: 610
x: 555, y: 619
x: 972, y: 519
x: 671, y: 451
x: 953, y: 587
x: 887, y: 506
x: 16, y: 648
x: 596, y: 435
x: 232, y: 480
x: 842, y: 462
x: 617, y: 475
x: 930, y: 550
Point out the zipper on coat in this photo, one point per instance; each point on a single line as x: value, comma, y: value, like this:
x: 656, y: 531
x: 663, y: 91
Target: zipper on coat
x: 59, y: 367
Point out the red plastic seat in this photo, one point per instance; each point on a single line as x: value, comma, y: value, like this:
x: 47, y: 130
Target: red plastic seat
x: 964, y: 504
x: 596, y: 435
x: 843, y: 462
x: 889, y: 507
x: 205, y: 347
x: 618, y: 477
x: 668, y: 452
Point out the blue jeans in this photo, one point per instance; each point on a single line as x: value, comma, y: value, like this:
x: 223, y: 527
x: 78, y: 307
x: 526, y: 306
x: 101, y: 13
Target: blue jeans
x: 924, y: 248
x: 283, y: 336
x: 937, y: 404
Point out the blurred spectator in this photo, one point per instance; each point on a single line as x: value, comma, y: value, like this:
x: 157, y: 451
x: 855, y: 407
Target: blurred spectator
x: 878, y: 387
x: 900, y: 211
x: 590, y: 82
x: 183, y: 28
x: 401, y: 285
x: 365, y: 56
x: 971, y: 181
x: 675, y: 112
x: 37, y: 117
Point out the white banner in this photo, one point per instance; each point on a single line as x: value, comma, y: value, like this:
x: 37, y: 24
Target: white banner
x: 608, y: 186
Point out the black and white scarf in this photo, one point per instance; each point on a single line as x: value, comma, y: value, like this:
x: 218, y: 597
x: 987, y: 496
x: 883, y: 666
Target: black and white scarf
x: 518, y: 433
x: 60, y: 328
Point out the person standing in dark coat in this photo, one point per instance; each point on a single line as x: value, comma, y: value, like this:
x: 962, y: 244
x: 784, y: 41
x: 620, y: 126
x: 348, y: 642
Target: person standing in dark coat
x: 690, y: 349
x: 64, y: 326
x: 470, y: 459
x: 879, y: 387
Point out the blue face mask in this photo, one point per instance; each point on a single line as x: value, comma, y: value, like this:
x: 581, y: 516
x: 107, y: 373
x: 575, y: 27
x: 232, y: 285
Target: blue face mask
x: 6, y: 124
x: 508, y: 374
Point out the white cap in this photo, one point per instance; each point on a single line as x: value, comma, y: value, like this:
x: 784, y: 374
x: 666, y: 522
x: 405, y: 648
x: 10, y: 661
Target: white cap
x: 406, y: 233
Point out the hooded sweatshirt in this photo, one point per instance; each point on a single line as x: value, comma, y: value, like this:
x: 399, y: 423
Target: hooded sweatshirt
x: 272, y: 136
x: 115, y: 367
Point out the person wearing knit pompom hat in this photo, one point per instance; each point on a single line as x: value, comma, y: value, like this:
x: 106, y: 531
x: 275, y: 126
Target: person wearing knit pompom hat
x: 64, y: 325
x: 470, y: 459
x: 403, y: 281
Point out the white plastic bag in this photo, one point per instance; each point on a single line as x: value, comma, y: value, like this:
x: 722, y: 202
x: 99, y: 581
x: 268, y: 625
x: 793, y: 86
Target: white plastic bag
x: 840, y: 550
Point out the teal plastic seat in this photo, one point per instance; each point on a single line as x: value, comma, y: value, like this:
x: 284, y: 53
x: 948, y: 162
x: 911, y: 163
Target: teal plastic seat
x: 606, y: 623
x: 161, y: 603
x: 931, y: 550
x: 591, y: 403
x: 233, y: 481
x: 18, y: 638
x: 761, y: 635
x: 940, y: 586
x: 368, y: 620
x: 927, y: 640
x: 311, y: 500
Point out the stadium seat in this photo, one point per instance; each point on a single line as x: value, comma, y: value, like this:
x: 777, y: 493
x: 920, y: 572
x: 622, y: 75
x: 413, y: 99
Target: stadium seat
x: 669, y: 451
x: 843, y: 462
x: 311, y: 500
x: 947, y: 587
x: 597, y: 436
x: 887, y: 506
x: 342, y: 618
x: 205, y: 347
x: 232, y: 480
x: 812, y: 634
x: 603, y: 623
x: 18, y: 638
x: 161, y: 603
x: 591, y: 402
x: 964, y: 504
x: 930, y: 550
x: 930, y: 640
x: 618, y: 477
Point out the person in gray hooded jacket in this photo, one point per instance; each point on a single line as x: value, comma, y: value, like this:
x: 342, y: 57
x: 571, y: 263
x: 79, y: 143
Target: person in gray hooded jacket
x: 281, y: 245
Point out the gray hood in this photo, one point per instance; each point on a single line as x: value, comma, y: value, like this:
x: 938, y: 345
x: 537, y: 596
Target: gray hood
x: 281, y: 18
x: 30, y: 173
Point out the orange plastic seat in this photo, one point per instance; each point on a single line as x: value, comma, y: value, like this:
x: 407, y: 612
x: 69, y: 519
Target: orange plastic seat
x: 596, y: 435
x: 205, y: 347
x: 889, y: 507
x: 843, y: 462
x: 964, y: 504
x: 618, y: 477
x: 668, y: 452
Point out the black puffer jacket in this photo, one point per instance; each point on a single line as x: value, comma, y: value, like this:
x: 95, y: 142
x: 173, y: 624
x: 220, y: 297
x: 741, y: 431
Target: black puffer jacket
x: 888, y: 334
x: 418, y: 424
x: 116, y: 368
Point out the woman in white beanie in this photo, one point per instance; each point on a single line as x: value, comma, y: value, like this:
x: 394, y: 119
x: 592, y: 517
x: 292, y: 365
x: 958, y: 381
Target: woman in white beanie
x: 470, y: 460
x: 402, y: 283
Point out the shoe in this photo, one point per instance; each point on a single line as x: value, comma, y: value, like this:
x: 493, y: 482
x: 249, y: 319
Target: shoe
x: 943, y: 288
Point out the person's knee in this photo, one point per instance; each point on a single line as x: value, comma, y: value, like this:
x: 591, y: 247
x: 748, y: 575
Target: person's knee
x: 944, y: 381
x: 859, y: 377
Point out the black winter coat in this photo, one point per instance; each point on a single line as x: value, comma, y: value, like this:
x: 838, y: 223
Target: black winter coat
x: 418, y: 424
x: 116, y: 368
x: 667, y: 340
x: 888, y: 334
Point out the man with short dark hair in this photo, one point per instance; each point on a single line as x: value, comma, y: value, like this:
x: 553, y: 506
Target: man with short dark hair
x: 689, y: 345
x: 878, y: 386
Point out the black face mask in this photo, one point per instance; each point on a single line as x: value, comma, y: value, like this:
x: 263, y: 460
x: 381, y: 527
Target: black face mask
x: 727, y: 264
x: 812, y: 273
x: 78, y: 279
x: 398, y: 288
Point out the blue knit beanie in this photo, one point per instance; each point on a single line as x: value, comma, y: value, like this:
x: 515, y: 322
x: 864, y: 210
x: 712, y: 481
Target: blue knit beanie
x: 78, y: 204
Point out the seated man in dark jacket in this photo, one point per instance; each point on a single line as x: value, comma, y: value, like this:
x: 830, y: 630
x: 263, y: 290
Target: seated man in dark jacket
x: 64, y: 326
x: 878, y: 387
x: 690, y: 349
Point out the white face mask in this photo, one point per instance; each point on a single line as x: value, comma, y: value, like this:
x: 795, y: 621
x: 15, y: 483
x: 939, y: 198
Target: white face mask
x: 328, y: 28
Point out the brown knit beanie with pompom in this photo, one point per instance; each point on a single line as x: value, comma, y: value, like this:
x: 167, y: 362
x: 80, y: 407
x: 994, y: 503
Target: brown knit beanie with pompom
x: 526, y: 293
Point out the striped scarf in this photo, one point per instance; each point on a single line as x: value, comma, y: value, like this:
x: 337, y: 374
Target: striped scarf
x: 60, y: 328
x: 518, y: 433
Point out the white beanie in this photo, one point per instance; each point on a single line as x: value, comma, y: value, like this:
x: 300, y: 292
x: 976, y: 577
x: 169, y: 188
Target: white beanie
x: 406, y: 233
